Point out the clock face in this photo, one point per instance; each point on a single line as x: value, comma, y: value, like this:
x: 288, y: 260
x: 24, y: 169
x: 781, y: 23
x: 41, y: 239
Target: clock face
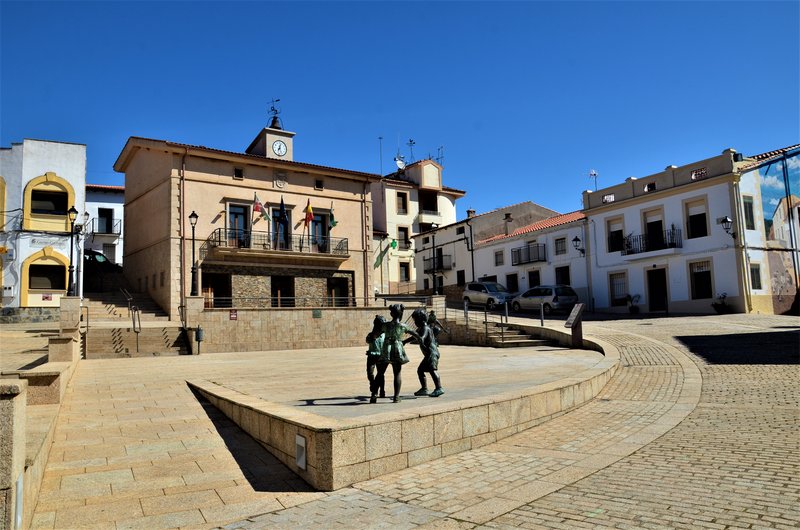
x: 279, y: 148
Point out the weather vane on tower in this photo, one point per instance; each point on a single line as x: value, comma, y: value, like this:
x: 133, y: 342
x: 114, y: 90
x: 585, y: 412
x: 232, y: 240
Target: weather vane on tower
x: 274, y: 111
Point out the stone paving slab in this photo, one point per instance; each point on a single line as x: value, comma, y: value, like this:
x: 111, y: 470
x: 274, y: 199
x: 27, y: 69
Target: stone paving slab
x: 679, y: 439
x: 647, y: 453
x: 131, y: 431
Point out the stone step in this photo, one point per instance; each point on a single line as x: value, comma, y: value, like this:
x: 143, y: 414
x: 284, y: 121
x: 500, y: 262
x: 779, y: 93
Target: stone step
x: 104, y: 343
x: 523, y: 342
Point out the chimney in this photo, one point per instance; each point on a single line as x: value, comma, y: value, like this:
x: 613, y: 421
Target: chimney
x: 470, y: 214
x: 507, y: 220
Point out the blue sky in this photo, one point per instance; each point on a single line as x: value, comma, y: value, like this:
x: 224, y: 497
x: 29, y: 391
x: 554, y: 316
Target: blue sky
x: 525, y: 97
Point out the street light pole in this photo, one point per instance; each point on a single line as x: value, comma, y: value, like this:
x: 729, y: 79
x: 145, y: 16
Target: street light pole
x: 433, y: 253
x: 193, y: 220
x: 72, y: 214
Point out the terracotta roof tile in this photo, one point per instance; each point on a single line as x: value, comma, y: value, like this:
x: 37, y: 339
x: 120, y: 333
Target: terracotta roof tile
x: 104, y: 187
x: 550, y: 222
x: 763, y: 158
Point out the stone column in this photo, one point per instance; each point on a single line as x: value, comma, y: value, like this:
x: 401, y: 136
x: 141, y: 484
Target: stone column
x: 195, y: 305
x: 13, y: 396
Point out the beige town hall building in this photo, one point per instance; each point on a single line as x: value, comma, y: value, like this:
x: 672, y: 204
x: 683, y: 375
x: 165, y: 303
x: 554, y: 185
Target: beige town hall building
x: 249, y: 251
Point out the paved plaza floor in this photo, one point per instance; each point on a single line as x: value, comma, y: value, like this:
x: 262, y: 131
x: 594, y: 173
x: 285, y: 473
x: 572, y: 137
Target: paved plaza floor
x: 699, y: 428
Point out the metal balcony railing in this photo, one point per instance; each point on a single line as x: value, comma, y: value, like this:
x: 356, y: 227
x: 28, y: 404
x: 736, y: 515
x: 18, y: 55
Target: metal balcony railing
x: 100, y: 225
x: 403, y: 245
x: 256, y: 302
x: 439, y: 263
x: 652, y: 241
x: 248, y: 239
x: 530, y: 253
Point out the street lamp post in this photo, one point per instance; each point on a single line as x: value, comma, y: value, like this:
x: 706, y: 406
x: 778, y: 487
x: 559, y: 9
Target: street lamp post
x: 193, y: 220
x: 72, y: 214
x: 433, y: 253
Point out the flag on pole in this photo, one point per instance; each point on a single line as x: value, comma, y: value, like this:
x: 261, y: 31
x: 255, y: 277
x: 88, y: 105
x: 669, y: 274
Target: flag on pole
x: 381, y: 255
x: 283, y: 217
x: 258, y: 207
x: 309, y: 213
x: 333, y: 220
x: 281, y: 232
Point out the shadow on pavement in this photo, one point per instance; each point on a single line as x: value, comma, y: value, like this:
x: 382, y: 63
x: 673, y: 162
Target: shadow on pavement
x: 782, y: 347
x: 263, y: 471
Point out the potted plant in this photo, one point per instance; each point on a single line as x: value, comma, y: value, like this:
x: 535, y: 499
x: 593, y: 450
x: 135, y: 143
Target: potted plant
x: 633, y: 302
x: 720, y: 306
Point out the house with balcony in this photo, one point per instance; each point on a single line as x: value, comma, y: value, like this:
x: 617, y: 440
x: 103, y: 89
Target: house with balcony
x: 245, y: 229
x: 445, y: 257
x: 547, y: 252
x: 691, y: 236
x: 42, y: 203
x: 407, y: 202
x: 104, y: 230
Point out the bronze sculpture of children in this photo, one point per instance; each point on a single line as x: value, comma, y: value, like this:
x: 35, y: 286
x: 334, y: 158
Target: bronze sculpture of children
x: 430, y: 351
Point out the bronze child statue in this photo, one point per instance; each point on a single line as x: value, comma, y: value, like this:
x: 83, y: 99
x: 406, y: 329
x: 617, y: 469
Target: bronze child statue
x: 374, y: 348
x: 393, y: 351
x: 436, y: 326
x: 430, y: 351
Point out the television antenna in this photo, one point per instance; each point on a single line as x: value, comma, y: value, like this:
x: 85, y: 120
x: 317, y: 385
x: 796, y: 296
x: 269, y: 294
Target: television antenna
x: 411, y: 143
x: 593, y: 175
x: 440, y: 154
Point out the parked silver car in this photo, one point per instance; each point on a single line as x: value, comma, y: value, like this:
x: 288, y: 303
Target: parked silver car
x: 490, y: 294
x: 552, y: 297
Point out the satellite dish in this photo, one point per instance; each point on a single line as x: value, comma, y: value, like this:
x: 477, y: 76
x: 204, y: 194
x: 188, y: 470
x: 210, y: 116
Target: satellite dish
x: 401, y: 164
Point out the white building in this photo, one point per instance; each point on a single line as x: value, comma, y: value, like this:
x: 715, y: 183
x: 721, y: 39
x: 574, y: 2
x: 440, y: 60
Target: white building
x: 105, y: 230
x: 406, y: 203
x: 547, y: 252
x: 40, y: 182
x: 445, y: 257
x: 667, y: 239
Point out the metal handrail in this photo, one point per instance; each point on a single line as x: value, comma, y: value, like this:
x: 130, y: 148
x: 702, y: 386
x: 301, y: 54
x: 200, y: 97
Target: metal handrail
x: 136, y: 324
x: 128, y: 297
x: 266, y: 302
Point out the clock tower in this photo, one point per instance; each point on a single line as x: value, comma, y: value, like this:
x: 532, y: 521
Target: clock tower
x: 273, y: 142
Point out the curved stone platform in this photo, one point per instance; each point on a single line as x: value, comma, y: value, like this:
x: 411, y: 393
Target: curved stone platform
x: 334, y: 439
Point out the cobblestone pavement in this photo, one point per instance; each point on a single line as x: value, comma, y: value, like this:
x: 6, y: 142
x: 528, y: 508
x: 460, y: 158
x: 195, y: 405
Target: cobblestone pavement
x: 700, y: 428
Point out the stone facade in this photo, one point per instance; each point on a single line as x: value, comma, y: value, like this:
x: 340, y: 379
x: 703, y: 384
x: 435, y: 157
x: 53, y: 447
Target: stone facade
x: 16, y: 315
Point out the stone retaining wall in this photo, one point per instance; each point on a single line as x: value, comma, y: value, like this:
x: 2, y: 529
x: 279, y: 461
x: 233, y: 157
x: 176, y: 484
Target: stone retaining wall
x: 339, y: 453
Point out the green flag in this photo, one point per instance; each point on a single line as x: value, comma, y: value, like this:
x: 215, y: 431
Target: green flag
x: 332, y: 218
x: 381, y: 255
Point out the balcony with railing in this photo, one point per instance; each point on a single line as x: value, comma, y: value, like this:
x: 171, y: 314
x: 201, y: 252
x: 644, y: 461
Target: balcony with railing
x: 105, y: 226
x: 403, y: 244
x: 652, y: 242
x: 530, y: 253
x: 247, y: 243
x: 437, y: 264
x: 429, y: 216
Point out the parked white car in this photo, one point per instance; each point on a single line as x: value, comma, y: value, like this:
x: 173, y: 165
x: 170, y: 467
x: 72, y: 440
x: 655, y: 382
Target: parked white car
x: 552, y: 297
x: 490, y: 294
